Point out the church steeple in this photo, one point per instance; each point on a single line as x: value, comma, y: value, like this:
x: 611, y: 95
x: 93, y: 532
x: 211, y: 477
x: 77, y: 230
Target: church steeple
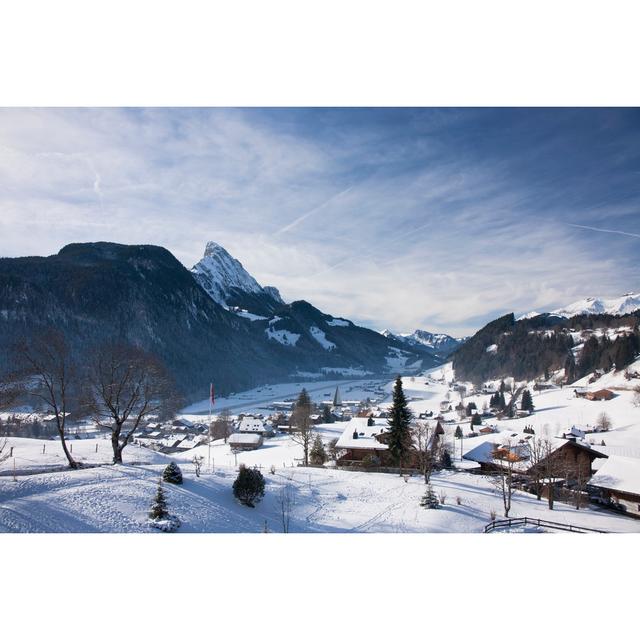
x: 337, y: 400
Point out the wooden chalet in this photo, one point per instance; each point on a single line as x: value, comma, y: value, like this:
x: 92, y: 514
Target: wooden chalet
x: 617, y: 484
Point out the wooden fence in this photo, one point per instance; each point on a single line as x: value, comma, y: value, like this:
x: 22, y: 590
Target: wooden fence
x: 537, y: 522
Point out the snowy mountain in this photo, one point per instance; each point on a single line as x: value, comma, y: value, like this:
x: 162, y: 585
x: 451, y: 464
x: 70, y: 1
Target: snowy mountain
x: 439, y: 344
x: 230, y: 284
x: 627, y: 303
x: 102, y: 291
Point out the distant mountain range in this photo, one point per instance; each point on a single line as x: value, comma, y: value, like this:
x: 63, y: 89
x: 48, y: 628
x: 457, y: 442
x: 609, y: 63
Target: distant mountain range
x: 215, y: 323
x: 627, y: 303
x: 438, y: 344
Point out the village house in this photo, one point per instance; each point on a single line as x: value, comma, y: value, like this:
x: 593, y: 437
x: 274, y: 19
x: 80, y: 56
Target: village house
x: 251, y: 424
x: 617, y: 483
x: 595, y: 396
x: 363, y: 442
x: 245, y: 441
x: 572, y: 457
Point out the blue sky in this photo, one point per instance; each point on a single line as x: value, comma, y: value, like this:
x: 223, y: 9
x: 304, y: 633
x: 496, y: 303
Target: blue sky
x: 402, y: 218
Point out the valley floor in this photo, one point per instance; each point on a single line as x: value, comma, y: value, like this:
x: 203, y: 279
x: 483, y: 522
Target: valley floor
x: 44, y: 497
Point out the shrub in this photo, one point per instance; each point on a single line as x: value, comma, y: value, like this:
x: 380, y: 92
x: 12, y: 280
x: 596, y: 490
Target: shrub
x: 172, y: 474
x: 248, y: 487
x: 370, y: 460
x: 458, y: 500
x: 318, y: 455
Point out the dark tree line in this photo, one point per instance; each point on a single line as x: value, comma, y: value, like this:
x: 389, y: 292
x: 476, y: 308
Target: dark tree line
x: 527, y: 349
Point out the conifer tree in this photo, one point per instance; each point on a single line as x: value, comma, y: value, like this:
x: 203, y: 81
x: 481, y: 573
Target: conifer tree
x: 318, y: 454
x: 172, y: 474
x: 399, y: 438
x: 527, y: 401
x: 429, y: 500
x: 159, y: 507
x: 458, y: 432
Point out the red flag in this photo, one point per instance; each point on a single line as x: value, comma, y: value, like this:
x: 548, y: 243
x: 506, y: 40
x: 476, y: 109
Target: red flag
x: 212, y: 397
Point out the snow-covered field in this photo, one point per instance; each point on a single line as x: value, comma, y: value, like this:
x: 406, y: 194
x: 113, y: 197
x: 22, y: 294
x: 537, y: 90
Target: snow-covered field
x: 117, y: 499
x: 44, y: 497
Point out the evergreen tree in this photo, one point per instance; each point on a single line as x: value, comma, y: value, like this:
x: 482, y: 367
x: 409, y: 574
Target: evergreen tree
x: 527, y: 401
x: 248, y: 487
x: 327, y: 417
x: 445, y: 460
x: 371, y: 422
x: 318, y: 454
x: 399, y: 434
x: 172, y: 474
x: 159, y: 507
x: 429, y: 500
x: 458, y: 432
x: 476, y: 420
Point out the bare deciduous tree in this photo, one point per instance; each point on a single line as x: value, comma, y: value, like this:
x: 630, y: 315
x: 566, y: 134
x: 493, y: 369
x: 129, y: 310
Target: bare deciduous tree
x: 423, y: 440
x: 47, y: 362
x: 126, y: 385
x: 303, y: 429
x: 197, y: 463
x: 222, y: 426
x: 603, y: 422
x: 285, y: 504
x: 505, y: 459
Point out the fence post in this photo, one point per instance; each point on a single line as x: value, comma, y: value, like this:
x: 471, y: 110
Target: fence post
x: 11, y: 453
x: 43, y: 447
x: 96, y: 447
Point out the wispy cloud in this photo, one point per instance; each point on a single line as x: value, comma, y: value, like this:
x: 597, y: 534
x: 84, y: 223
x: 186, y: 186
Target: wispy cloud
x: 622, y: 233
x: 311, y: 212
x: 449, y: 216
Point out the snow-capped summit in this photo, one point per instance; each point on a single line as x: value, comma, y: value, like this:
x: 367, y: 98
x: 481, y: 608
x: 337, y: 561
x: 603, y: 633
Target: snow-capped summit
x: 626, y: 303
x: 229, y: 283
x: 439, y: 343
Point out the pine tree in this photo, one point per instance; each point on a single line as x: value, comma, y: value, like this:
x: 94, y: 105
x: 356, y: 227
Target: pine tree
x: 399, y: 438
x: 172, y: 474
x: 159, y: 506
x: 445, y: 461
x: 429, y: 500
x: 318, y: 454
x: 458, y: 432
x: 327, y: 417
x: 527, y: 401
x: 476, y: 420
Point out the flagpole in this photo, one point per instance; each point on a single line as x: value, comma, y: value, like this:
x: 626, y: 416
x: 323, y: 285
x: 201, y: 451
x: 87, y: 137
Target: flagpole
x: 209, y: 429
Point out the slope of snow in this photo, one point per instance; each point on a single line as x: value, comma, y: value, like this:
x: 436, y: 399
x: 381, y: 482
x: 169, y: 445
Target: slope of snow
x: 218, y: 272
x: 282, y: 336
x: 321, y: 337
x: 626, y: 303
x: 338, y: 322
x: 117, y: 499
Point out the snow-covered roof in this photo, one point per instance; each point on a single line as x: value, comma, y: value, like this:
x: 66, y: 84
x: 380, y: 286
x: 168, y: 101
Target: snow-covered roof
x: 365, y: 439
x: 618, y: 473
x: 245, y: 438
